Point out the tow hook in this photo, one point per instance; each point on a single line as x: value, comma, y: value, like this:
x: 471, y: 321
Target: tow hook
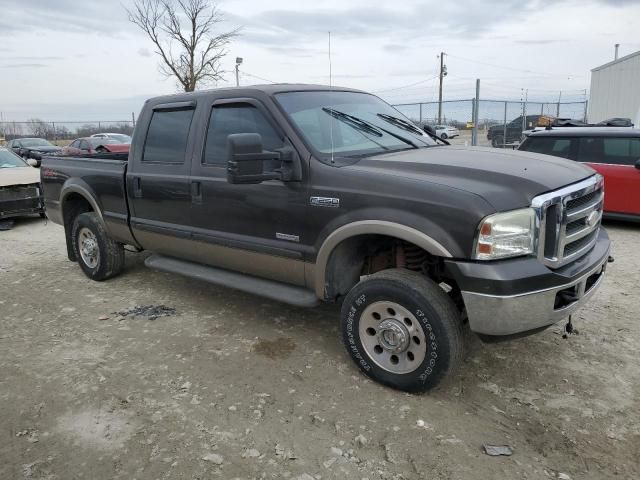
x: 569, y: 329
x: 610, y: 259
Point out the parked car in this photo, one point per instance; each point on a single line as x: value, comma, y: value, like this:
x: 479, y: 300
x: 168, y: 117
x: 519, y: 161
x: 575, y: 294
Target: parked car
x: 446, y: 131
x: 20, y: 192
x: 304, y: 193
x: 91, y: 145
x: 514, y: 131
x: 26, y: 147
x: 614, y: 152
x: 119, y: 137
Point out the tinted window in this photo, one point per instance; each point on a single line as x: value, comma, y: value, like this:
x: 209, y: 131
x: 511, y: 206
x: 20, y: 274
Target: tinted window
x: 238, y: 118
x: 618, y: 151
x: 167, y: 136
x: 558, y: 147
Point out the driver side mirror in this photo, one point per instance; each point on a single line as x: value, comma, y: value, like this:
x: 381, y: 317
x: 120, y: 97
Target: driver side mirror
x: 32, y: 162
x: 246, y: 159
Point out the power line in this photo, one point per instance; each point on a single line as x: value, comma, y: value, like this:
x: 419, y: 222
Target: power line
x: 406, y: 86
x: 256, y: 76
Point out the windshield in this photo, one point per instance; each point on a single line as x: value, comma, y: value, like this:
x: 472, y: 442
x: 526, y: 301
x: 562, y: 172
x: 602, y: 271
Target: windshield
x: 10, y: 160
x: 35, y: 142
x: 350, y: 124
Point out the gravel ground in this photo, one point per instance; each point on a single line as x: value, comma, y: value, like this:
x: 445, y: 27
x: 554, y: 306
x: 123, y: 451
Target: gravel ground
x: 233, y: 386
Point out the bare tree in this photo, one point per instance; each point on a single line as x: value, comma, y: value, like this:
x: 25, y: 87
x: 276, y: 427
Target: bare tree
x: 40, y: 128
x: 185, y: 35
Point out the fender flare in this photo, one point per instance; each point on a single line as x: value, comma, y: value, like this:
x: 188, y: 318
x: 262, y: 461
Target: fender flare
x: 371, y: 227
x: 83, y: 190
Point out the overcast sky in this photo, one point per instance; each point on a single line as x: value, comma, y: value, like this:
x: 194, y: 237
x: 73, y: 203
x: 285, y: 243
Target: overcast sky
x: 83, y: 60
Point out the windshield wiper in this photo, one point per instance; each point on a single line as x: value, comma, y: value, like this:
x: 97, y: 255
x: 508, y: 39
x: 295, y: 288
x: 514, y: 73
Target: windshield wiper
x: 352, y: 120
x: 355, y: 122
x: 400, y: 123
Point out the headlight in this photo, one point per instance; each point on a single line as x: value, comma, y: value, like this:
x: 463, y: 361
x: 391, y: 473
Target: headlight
x: 507, y: 234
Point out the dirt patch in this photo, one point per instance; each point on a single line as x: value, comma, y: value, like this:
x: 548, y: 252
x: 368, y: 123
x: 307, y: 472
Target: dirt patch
x: 274, y: 349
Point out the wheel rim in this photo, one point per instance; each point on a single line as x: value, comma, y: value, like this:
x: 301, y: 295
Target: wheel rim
x: 392, y: 337
x: 89, y: 250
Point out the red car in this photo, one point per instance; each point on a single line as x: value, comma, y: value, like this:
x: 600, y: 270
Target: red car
x: 87, y: 145
x: 614, y: 152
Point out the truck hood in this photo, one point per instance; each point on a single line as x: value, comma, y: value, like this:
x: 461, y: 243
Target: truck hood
x: 19, y: 176
x: 507, y: 179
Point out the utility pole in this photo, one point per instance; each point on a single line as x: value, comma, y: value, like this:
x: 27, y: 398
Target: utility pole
x: 558, y: 109
x: 443, y: 73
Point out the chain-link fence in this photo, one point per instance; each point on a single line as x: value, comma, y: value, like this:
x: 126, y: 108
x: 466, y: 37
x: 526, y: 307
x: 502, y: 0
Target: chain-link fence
x: 61, y: 132
x: 500, y: 122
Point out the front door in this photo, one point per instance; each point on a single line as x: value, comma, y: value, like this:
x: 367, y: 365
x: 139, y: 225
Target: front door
x: 255, y: 229
x: 158, y: 181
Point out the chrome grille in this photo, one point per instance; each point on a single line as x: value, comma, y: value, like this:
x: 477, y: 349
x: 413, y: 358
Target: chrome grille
x: 568, y: 221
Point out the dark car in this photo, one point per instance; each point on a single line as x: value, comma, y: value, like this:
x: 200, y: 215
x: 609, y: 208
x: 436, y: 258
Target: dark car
x: 305, y: 193
x: 26, y: 147
x: 614, y: 152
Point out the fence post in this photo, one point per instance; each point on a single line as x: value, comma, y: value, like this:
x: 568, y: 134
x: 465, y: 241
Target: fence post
x: 476, y: 102
x: 504, y: 133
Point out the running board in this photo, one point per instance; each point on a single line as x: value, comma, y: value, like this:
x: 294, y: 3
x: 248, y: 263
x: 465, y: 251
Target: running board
x: 298, y: 296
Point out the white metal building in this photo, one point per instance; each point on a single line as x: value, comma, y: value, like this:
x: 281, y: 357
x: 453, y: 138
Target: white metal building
x: 615, y: 90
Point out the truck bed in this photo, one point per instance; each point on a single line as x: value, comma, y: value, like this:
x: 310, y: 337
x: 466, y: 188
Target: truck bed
x: 102, y: 176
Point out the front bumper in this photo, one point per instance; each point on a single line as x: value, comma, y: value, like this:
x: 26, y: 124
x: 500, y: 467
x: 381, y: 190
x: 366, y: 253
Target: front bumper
x: 519, y: 295
x: 18, y: 201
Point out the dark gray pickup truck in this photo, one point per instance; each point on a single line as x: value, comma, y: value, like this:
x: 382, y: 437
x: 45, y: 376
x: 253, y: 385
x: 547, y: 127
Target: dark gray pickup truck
x: 305, y: 194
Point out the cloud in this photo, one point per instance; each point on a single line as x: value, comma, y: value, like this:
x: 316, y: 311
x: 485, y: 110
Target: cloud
x: 95, y: 16
x: 144, y: 52
x: 24, y: 65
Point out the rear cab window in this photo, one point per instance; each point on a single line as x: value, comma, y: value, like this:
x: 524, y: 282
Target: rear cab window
x: 167, y: 137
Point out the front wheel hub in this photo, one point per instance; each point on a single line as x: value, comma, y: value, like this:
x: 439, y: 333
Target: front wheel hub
x: 393, y: 336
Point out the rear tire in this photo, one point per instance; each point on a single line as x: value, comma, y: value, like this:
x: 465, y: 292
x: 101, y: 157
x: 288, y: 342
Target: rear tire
x: 99, y: 256
x: 444, y: 136
x: 402, y: 330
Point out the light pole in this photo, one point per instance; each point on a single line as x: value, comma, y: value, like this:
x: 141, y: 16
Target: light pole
x: 238, y: 63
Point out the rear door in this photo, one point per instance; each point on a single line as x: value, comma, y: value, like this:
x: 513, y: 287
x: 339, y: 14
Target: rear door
x: 615, y: 158
x: 158, y: 179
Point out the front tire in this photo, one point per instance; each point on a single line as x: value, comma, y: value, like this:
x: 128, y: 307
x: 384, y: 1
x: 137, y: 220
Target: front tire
x: 402, y: 330
x: 497, y: 141
x: 444, y: 136
x: 99, y: 256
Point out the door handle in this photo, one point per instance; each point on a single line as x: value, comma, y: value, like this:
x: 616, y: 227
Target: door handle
x: 196, y: 192
x: 137, y: 187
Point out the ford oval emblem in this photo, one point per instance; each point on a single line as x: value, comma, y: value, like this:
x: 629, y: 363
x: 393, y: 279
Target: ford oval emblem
x: 592, y: 218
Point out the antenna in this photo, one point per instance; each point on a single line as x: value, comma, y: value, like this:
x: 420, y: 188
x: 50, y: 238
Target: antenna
x: 331, y: 119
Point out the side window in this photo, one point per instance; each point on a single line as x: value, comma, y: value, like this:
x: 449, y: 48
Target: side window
x: 167, y: 136
x: 84, y: 145
x: 591, y: 150
x: 621, y: 151
x: 236, y: 118
x: 75, y: 144
x: 558, y: 147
